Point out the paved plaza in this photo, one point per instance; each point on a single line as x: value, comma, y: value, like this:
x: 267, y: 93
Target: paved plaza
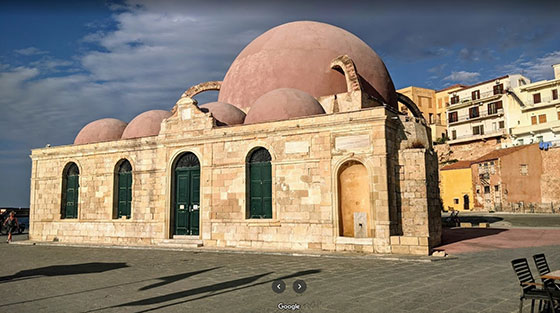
x: 76, y: 279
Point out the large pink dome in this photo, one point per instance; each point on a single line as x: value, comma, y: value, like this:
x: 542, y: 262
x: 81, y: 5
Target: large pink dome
x: 105, y: 129
x: 298, y: 55
x: 145, y: 124
x: 224, y: 113
x: 282, y: 104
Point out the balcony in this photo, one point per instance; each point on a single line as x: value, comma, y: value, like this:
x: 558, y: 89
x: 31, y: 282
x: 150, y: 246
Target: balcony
x: 486, y: 135
x: 545, y: 102
x: 484, y: 97
x: 481, y: 115
x: 552, y: 126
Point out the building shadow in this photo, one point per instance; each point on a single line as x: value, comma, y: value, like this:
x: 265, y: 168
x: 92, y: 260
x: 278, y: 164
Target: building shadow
x: 213, y: 290
x: 451, y: 235
x: 166, y: 280
x: 473, y: 219
x: 63, y: 270
x: 173, y: 278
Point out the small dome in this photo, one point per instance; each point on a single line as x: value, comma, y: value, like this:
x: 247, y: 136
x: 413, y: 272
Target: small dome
x: 105, y: 129
x: 224, y: 113
x: 282, y: 104
x: 145, y: 124
x: 298, y: 55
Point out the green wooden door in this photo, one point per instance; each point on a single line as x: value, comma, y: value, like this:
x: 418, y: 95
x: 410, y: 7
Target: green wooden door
x: 194, y: 215
x: 71, y: 197
x: 260, y: 190
x: 187, y: 201
x: 125, y: 194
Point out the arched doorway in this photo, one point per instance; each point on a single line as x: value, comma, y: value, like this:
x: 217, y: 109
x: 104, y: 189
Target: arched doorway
x: 353, y: 200
x: 186, y: 195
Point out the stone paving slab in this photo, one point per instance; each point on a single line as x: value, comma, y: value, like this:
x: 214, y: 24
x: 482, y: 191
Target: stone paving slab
x: 460, y: 240
x: 79, y: 279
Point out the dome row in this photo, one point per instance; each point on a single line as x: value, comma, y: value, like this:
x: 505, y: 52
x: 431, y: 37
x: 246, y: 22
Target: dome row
x: 276, y: 105
x: 108, y: 129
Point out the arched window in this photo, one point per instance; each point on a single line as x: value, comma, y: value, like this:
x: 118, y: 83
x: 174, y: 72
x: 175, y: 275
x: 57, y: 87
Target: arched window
x: 70, y: 191
x: 259, y: 177
x: 123, y: 189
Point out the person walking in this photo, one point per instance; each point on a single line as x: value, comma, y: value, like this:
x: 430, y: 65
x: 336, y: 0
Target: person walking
x: 12, y: 225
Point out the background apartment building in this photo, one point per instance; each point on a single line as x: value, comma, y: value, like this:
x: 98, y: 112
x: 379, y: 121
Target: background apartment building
x: 478, y: 112
x: 539, y: 116
x: 517, y: 179
x: 434, y: 113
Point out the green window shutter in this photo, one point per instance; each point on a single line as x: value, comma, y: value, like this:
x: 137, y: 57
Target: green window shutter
x: 266, y: 173
x: 129, y: 194
x: 181, y: 202
x: 194, y: 200
x: 124, y: 194
x: 71, y: 197
x: 255, y: 191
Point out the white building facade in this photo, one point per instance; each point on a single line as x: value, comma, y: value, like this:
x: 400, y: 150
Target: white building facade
x: 539, y: 118
x: 482, y: 111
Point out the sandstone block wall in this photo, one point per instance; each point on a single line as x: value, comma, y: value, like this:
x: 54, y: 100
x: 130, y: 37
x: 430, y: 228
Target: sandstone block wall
x: 306, y: 155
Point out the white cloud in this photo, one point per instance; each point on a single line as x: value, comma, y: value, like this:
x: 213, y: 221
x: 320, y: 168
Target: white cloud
x: 536, y: 69
x: 541, y: 68
x: 30, y: 51
x: 145, y: 63
x: 462, y: 77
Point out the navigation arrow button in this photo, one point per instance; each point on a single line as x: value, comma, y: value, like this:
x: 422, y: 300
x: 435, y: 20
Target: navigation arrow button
x: 278, y: 286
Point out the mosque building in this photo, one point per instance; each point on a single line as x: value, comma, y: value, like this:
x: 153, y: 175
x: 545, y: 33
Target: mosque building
x: 305, y: 149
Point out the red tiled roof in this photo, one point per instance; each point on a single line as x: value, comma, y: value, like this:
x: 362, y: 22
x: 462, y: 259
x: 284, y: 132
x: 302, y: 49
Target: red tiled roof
x: 452, y: 86
x: 457, y: 165
x: 496, y: 154
x: 484, y: 82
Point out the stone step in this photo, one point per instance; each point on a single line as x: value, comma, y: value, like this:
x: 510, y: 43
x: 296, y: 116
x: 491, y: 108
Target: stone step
x: 186, y: 245
x: 182, y: 242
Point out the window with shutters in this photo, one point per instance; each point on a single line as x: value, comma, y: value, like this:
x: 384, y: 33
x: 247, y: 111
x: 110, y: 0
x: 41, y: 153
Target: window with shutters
x: 494, y: 107
x: 524, y: 169
x: 498, y: 89
x: 453, y: 117
x: 534, y: 120
x: 542, y: 118
x: 454, y: 99
x: 259, y: 184
x: 70, y: 191
x: 478, y: 130
x: 475, y: 95
x: 501, y: 124
x: 122, y: 189
x: 536, y: 98
x: 473, y: 112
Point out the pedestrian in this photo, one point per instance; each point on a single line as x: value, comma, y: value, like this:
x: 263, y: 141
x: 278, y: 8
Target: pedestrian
x: 12, y: 225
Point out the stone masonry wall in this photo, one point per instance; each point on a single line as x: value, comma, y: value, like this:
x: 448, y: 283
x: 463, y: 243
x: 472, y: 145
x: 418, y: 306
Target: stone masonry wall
x: 306, y: 155
x: 550, y: 179
x: 466, y: 151
x: 420, y: 203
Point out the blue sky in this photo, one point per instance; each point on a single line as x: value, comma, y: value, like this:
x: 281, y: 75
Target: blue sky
x: 64, y: 64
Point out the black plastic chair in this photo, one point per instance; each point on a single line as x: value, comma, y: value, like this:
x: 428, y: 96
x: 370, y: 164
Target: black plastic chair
x: 529, y: 288
x: 542, y: 266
